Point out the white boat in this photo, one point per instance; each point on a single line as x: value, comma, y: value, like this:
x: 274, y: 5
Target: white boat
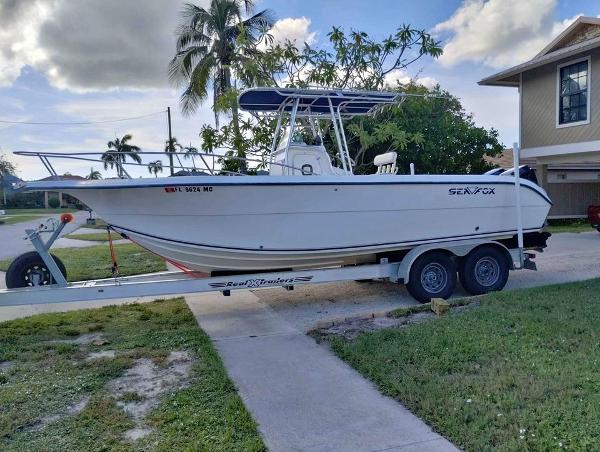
x: 306, y: 213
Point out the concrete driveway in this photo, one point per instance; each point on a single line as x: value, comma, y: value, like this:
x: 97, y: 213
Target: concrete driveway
x: 569, y: 257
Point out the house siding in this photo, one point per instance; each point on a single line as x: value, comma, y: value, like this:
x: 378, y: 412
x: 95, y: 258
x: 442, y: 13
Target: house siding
x: 572, y: 199
x: 539, y: 97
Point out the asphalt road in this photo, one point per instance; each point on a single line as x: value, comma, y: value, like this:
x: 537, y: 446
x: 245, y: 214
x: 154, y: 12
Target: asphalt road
x: 12, y: 236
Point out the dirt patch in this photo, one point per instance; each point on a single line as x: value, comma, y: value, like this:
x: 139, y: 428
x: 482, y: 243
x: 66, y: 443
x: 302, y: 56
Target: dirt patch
x: 350, y: 329
x: 139, y: 389
x: 70, y: 410
x: 5, y: 365
x: 85, y: 339
x: 99, y: 355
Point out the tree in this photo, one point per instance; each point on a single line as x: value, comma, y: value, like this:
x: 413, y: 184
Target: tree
x: 155, y: 167
x: 6, y: 168
x: 207, y: 48
x: 118, y: 151
x: 190, y: 152
x: 356, y: 61
x: 94, y: 175
x: 433, y: 131
x: 171, y: 146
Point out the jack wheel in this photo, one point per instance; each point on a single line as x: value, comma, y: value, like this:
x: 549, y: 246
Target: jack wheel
x: 432, y: 275
x: 29, y: 270
x: 483, y: 270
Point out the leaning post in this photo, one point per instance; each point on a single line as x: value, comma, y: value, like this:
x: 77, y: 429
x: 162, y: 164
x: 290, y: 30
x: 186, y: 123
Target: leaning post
x: 516, y: 160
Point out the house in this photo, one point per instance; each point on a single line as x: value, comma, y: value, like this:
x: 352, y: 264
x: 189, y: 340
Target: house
x: 7, y: 181
x: 559, y: 116
x: 566, y: 183
x: 63, y: 199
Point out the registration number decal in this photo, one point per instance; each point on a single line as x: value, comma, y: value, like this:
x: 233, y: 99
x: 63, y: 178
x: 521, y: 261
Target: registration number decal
x: 189, y: 189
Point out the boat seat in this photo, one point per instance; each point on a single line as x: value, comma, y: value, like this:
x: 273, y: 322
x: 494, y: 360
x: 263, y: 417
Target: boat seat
x: 386, y: 163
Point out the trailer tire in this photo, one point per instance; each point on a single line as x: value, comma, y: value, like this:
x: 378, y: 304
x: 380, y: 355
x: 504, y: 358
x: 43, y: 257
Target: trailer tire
x: 432, y: 275
x: 22, y: 270
x: 483, y: 270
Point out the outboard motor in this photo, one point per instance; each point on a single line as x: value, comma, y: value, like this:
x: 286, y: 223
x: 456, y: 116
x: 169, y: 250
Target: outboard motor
x: 526, y: 172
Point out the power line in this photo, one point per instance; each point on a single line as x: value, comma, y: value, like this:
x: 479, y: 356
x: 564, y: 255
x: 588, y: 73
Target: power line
x: 31, y: 123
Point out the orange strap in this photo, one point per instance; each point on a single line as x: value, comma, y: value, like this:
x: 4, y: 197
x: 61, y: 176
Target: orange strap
x: 113, y: 257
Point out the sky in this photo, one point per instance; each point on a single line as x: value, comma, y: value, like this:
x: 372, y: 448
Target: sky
x: 100, y: 60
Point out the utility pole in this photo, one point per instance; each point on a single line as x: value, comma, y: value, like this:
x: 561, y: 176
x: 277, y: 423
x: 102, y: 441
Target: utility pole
x: 170, y: 141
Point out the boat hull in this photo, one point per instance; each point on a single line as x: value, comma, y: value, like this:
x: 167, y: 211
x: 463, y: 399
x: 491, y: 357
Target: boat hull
x: 247, y: 224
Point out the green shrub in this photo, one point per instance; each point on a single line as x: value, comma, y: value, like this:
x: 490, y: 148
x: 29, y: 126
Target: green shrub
x: 54, y: 203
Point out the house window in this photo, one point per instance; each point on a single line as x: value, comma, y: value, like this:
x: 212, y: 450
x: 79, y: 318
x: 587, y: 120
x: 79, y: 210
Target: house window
x: 573, y: 93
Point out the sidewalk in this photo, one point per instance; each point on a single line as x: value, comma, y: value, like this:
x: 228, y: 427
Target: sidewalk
x: 301, y: 395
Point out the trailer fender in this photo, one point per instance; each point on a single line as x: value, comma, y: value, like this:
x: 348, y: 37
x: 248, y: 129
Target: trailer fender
x: 458, y: 249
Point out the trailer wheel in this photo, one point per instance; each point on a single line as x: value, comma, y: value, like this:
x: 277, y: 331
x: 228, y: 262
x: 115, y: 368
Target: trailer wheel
x: 483, y: 270
x: 432, y: 275
x: 30, y: 270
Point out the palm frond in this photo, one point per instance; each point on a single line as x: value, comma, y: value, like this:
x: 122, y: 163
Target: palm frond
x: 258, y: 24
x: 197, y: 89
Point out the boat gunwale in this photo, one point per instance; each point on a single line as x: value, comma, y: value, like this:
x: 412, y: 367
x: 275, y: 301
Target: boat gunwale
x: 117, y: 184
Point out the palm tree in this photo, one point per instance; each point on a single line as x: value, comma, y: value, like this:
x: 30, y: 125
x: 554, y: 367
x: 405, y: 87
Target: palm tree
x: 93, y: 175
x: 6, y: 168
x: 206, y: 48
x: 170, y: 147
x: 118, y: 151
x: 189, y: 152
x: 155, y: 167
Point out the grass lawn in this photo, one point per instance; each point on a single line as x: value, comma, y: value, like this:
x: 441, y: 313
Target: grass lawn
x: 20, y: 215
x: 558, y: 226
x: 94, y: 262
x: 97, y: 237
x: 520, y: 372
x: 54, y: 397
x: 38, y: 211
x: 13, y: 219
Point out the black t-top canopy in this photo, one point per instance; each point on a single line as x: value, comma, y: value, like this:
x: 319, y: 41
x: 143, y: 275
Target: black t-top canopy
x: 315, y: 101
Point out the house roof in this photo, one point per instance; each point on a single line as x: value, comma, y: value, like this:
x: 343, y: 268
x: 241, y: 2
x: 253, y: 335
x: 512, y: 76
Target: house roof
x: 9, y: 179
x: 505, y: 160
x: 63, y: 177
x: 582, y: 35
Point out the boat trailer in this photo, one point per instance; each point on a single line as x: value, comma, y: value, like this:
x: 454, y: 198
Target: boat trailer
x: 180, y: 282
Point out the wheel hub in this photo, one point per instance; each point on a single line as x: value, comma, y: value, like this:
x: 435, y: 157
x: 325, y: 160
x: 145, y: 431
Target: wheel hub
x: 434, y: 277
x: 37, y: 276
x: 487, y: 271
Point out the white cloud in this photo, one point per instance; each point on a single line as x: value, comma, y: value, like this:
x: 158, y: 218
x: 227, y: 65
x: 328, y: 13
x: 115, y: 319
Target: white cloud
x: 499, y: 33
x: 20, y: 22
x: 295, y: 30
x: 401, y: 76
x: 89, y: 45
x: 150, y: 133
